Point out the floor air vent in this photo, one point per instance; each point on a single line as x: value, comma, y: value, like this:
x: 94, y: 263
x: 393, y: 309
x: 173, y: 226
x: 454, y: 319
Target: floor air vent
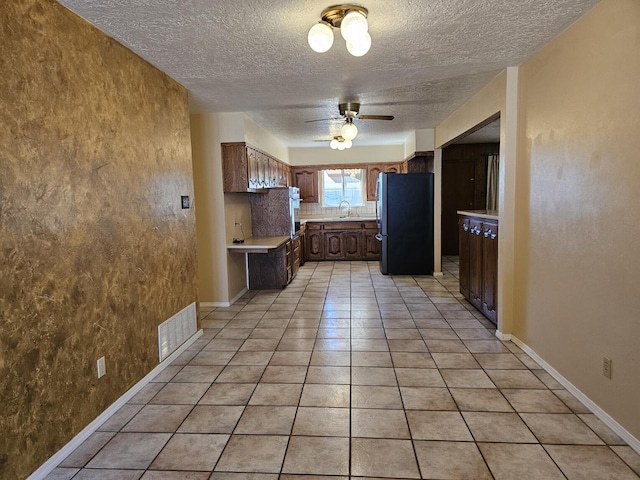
x: 175, y: 331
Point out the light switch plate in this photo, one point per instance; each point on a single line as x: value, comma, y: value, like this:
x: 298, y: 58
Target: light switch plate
x: 102, y: 369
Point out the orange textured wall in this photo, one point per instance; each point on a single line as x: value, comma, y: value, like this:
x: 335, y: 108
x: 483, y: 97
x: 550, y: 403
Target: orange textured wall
x: 95, y: 250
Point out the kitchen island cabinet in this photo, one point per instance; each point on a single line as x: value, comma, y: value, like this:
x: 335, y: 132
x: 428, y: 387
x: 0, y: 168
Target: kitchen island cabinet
x: 478, y: 274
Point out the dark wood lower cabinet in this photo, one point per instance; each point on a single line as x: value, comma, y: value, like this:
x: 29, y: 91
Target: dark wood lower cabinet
x: 268, y: 271
x: 276, y: 269
x: 315, y: 243
x: 371, y: 245
x: 344, y: 240
x: 478, y: 241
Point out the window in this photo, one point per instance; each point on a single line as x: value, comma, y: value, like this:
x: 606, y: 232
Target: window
x: 342, y: 184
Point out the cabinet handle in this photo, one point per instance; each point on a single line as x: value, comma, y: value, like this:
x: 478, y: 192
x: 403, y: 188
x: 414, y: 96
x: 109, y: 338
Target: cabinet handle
x: 465, y: 227
x: 487, y: 233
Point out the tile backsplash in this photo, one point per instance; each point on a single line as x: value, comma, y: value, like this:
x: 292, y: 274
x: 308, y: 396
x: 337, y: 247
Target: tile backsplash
x: 316, y: 210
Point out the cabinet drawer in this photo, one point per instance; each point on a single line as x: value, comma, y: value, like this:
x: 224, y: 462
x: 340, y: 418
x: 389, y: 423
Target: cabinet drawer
x: 313, y: 226
x: 368, y: 225
x: 342, y: 226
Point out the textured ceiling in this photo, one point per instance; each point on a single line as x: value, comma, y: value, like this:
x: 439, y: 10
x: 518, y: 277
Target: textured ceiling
x: 427, y: 56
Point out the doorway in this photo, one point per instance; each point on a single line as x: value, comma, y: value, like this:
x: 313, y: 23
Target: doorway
x: 464, y: 179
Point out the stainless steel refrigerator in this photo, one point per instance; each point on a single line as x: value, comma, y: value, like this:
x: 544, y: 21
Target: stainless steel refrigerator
x: 404, y: 210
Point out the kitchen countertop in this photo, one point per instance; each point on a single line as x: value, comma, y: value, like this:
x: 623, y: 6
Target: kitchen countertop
x: 258, y: 244
x: 488, y: 214
x: 339, y: 219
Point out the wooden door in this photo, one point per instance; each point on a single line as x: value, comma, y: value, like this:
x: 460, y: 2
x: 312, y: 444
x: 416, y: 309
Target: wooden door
x: 352, y: 242
x: 315, y: 245
x: 465, y: 238
x: 333, y: 249
x: 307, y: 181
x: 475, y: 263
x: 490, y: 270
x: 254, y: 167
x: 235, y: 167
x: 371, y: 245
x: 372, y: 178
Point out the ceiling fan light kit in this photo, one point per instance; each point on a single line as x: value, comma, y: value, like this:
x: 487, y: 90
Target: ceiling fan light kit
x: 352, y: 22
x: 349, y: 131
x: 339, y: 143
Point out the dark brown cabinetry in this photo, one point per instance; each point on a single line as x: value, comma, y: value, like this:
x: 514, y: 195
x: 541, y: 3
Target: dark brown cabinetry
x: 306, y: 179
x: 375, y: 169
x: 370, y: 243
x: 246, y: 169
x: 345, y: 240
x: 277, y: 268
x: 269, y: 270
x: 479, y: 263
x: 314, y: 242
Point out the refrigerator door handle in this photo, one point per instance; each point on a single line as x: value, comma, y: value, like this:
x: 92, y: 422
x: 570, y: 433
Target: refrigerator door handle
x: 379, y: 237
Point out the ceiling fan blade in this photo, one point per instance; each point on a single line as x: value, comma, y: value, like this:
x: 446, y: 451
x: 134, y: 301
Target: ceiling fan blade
x: 323, y: 140
x: 322, y: 120
x: 376, y: 117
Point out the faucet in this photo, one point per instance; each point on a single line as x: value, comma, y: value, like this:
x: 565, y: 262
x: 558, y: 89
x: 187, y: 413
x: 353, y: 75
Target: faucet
x: 348, y: 206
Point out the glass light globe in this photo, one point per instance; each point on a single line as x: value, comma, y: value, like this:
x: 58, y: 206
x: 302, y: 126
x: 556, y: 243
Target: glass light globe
x: 320, y: 37
x: 348, y: 144
x: 360, y: 46
x: 341, y: 146
x: 334, y: 144
x: 354, y: 25
x: 349, y: 131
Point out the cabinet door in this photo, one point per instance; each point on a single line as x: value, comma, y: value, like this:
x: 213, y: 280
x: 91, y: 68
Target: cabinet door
x: 372, y: 177
x: 333, y: 249
x: 394, y: 168
x: 490, y: 270
x: 286, y: 169
x: 464, y: 260
x: 307, y: 181
x: 315, y: 245
x: 254, y: 168
x: 371, y: 245
x: 273, y: 172
x: 475, y: 263
x: 352, y: 245
x: 234, y: 167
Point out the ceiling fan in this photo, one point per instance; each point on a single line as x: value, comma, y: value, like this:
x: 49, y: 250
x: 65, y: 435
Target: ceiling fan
x: 351, y: 110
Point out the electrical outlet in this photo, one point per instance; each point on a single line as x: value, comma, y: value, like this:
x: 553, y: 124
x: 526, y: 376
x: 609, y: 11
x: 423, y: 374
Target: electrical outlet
x: 606, y: 367
x: 102, y: 369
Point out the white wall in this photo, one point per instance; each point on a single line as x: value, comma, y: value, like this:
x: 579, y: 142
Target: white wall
x: 364, y: 154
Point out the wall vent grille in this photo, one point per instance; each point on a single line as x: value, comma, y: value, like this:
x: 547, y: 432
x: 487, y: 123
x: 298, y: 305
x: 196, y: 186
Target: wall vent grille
x: 175, y: 331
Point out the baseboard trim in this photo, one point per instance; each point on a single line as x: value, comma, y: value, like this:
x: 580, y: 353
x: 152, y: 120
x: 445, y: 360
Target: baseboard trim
x: 47, y: 467
x: 225, y: 304
x: 438, y: 274
x: 595, y: 409
x: 505, y: 337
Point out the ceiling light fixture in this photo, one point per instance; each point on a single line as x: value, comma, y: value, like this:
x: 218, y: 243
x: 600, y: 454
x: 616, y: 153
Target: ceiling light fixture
x: 349, y: 131
x: 352, y: 22
x: 339, y: 143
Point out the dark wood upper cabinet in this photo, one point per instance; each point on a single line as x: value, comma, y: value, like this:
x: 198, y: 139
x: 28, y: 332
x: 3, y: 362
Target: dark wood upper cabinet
x: 245, y: 169
x: 306, y: 179
x: 375, y: 169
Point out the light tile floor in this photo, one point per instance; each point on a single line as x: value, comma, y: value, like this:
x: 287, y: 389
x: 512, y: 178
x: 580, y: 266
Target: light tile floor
x: 351, y: 374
